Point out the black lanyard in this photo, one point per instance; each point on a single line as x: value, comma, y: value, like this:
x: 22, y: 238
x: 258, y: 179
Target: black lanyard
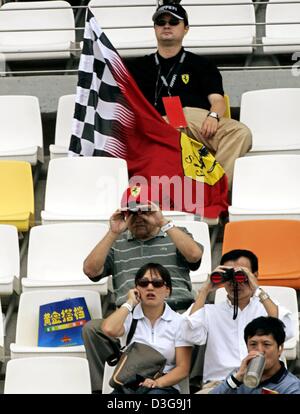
x: 174, y: 69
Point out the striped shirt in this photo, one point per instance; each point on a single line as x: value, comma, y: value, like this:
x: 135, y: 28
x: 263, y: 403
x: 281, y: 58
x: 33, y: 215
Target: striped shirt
x: 128, y: 254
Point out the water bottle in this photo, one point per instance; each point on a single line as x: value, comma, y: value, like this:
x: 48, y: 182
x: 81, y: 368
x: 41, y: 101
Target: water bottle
x: 254, y: 371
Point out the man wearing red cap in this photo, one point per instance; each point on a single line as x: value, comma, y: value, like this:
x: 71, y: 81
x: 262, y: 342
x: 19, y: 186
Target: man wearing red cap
x: 138, y: 234
x: 173, y: 71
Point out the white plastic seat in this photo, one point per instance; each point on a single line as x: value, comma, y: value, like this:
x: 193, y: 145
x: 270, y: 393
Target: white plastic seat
x: 266, y: 187
x: 2, y: 348
x: 286, y: 297
x: 200, y: 233
x: 31, y: 44
x: 26, y: 341
x: 9, y: 260
x: 9, y: 275
x: 21, y: 135
x: 121, y: 24
x: 285, y: 37
x: 84, y: 189
x: 56, y: 254
x: 108, y: 371
x: 42, y: 375
x: 262, y: 110
x: 63, y: 127
x: 215, y: 38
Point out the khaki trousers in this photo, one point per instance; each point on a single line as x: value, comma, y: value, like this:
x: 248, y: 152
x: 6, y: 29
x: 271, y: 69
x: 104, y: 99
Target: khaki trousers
x: 231, y: 141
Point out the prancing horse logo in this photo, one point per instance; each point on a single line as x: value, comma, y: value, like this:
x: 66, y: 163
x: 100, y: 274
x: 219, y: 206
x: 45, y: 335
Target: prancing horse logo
x: 185, y: 78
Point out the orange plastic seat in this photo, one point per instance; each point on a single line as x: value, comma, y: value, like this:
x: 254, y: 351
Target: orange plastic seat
x: 276, y: 244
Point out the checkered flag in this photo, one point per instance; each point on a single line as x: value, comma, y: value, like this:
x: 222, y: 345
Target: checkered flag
x: 102, y: 119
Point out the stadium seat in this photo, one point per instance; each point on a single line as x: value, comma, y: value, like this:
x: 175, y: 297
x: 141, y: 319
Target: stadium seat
x: 37, y: 35
x: 42, y: 375
x: 108, y: 371
x: 2, y: 348
x: 262, y: 110
x: 276, y: 244
x: 83, y: 189
x: 16, y: 194
x: 210, y: 30
x: 200, y: 233
x: 64, y: 117
x: 266, y: 187
x: 9, y: 272
x: 28, y: 322
x: 128, y: 26
x: 9, y: 259
x: 285, y: 37
x: 21, y: 135
x: 286, y: 297
x: 56, y: 254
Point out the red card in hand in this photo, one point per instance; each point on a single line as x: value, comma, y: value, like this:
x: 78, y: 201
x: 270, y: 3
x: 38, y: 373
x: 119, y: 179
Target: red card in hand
x: 174, y: 111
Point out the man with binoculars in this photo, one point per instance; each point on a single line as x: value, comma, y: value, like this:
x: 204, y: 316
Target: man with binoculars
x: 221, y: 326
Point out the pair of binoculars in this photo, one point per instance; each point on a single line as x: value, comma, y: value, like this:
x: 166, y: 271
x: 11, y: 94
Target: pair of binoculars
x: 230, y: 275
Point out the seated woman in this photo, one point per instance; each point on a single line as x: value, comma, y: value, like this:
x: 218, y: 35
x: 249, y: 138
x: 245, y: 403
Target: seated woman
x: 158, y: 326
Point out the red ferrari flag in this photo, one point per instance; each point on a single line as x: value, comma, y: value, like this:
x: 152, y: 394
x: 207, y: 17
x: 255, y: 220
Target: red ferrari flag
x: 113, y: 118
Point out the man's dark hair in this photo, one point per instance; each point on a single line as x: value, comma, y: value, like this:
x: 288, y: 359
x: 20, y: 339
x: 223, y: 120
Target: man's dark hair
x: 266, y: 325
x: 155, y: 268
x: 236, y: 254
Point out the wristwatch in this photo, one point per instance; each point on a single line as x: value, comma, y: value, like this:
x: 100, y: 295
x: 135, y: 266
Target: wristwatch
x: 167, y: 226
x: 214, y: 115
x: 261, y: 294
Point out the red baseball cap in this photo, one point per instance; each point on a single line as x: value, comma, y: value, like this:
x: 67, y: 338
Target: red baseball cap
x: 139, y: 197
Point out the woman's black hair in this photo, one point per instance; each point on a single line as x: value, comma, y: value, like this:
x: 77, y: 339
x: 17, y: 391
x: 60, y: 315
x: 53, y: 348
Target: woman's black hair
x: 155, y: 268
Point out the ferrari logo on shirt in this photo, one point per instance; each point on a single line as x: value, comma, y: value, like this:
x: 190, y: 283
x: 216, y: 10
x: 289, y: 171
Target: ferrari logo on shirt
x: 135, y: 191
x: 185, y: 78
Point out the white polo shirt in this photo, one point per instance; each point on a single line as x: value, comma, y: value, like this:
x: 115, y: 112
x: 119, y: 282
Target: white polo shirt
x: 164, y: 336
x: 224, y: 337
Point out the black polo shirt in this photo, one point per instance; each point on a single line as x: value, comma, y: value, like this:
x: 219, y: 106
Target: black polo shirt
x: 196, y: 78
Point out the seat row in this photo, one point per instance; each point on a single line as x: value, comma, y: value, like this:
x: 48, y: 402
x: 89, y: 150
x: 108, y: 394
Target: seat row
x: 27, y: 326
x: 89, y: 189
x: 56, y: 253
x: 261, y: 111
x: 214, y: 29
x: 57, y: 371
x: 220, y: 28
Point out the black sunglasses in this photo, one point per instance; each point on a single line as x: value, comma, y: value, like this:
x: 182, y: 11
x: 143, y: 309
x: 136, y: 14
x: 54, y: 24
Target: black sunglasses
x: 163, y: 22
x: 157, y: 283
